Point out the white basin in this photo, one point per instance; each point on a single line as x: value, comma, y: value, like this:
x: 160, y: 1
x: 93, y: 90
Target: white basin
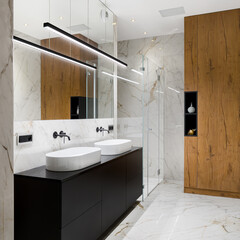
x: 72, y: 159
x: 114, y: 146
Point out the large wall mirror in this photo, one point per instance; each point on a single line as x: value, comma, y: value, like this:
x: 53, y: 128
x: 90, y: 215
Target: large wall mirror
x: 47, y: 88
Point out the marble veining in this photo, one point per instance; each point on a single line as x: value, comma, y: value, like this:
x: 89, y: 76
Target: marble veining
x: 163, y: 108
x: 170, y: 214
x: 27, y: 81
x: 82, y: 133
x: 6, y: 121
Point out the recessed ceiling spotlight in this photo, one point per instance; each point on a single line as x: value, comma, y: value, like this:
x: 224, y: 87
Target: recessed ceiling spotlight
x: 25, y: 25
x: 172, y: 12
x: 145, y: 33
x: 61, y: 17
x: 132, y: 20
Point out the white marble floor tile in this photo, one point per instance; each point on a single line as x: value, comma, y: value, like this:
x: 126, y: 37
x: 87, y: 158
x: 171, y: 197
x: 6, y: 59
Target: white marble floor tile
x: 170, y: 214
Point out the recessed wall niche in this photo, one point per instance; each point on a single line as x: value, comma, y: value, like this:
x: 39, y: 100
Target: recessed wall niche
x: 190, y: 114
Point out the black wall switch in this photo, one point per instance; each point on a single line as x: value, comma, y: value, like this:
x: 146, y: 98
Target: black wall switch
x: 24, y: 138
x: 110, y: 127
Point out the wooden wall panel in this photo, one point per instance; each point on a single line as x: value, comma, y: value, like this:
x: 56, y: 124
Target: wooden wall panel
x: 190, y: 161
x: 55, y: 91
x: 190, y: 60
x: 219, y: 101
x: 60, y: 79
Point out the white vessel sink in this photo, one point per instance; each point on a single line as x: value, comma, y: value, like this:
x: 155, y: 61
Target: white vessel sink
x: 114, y: 146
x: 72, y: 159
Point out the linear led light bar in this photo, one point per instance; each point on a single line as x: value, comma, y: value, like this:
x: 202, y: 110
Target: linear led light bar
x: 125, y: 79
x: 133, y: 70
x: 80, y: 42
x: 173, y: 90
x: 53, y: 53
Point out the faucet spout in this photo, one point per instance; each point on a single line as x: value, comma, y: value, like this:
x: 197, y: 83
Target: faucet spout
x: 61, y: 135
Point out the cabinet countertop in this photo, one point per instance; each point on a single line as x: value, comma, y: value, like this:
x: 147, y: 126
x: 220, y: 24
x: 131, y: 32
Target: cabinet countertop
x: 43, y: 173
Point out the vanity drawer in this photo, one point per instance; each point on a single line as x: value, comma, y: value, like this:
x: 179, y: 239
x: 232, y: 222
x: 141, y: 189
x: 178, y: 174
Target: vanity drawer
x: 79, y: 194
x: 85, y: 227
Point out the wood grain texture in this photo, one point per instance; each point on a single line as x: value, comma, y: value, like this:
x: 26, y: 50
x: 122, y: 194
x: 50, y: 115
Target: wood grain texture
x: 60, y: 79
x: 55, y: 82
x: 190, y: 161
x: 219, y: 101
x: 190, y: 51
x: 212, y: 192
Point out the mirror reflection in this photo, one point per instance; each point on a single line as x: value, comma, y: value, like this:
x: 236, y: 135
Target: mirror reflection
x: 46, y: 87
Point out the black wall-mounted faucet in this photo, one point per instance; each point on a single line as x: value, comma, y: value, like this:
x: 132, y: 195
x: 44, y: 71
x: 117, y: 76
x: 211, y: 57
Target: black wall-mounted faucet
x: 61, y: 135
x: 101, y: 129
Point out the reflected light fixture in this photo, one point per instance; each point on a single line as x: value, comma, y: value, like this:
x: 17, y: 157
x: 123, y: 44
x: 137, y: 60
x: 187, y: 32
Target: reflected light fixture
x: 173, y: 89
x: 132, y: 20
x: 125, y: 79
x: 133, y: 70
x: 53, y: 53
x: 145, y: 33
x: 80, y: 42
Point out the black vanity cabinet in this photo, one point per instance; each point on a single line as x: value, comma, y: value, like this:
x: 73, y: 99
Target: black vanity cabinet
x: 78, y: 205
x: 113, y: 192
x: 133, y: 178
x: 52, y: 210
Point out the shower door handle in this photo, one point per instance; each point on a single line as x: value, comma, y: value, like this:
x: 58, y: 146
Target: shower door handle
x: 150, y: 129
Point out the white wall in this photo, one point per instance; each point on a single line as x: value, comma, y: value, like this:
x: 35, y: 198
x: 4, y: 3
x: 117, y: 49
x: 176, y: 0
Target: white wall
x: 168, y: 52
x: 27, y: 81
x: 6, y: 121
x: 82, y: 133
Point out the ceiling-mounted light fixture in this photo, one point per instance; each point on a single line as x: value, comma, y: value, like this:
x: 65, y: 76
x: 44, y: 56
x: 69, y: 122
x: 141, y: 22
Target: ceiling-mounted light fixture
x: 173, y: 90
x: 133, y: 70
x: 80, y: 42
x: 172, y: 12
x: 125, y: 79
x: 53, y: 53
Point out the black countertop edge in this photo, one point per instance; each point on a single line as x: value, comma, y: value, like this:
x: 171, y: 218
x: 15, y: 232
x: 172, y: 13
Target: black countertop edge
x: 43, y: 173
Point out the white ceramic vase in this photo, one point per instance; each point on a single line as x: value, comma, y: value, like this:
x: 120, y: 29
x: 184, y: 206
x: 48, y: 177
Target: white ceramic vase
x: 191, y: 109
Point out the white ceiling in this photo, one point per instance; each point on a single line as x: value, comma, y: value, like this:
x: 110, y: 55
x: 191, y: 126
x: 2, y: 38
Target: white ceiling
x: 29, y: 16
x: 148, y: 19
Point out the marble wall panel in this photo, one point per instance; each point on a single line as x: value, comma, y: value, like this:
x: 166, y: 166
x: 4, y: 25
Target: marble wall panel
x: 6, y: 121
x: 82, y: 133
x: 27, y: 81
x: 163, y: 108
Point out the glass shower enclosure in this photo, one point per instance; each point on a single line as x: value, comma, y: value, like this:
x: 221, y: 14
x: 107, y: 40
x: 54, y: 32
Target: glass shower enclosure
x: 141, y: 116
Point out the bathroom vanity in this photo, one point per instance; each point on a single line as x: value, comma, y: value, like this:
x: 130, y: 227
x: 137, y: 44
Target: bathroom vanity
x: 77, y: 205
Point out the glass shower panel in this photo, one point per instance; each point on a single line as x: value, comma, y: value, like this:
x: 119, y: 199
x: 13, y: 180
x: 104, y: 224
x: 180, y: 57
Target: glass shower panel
x: 153, y: 124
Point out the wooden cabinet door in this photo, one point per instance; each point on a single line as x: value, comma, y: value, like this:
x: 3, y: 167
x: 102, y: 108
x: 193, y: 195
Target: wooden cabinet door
x: 219, y: 101
x: 190, y: 53
x: 190, y: 161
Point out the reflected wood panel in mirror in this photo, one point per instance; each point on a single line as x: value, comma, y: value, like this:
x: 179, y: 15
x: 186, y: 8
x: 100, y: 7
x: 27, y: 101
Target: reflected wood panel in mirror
x: 61, y: 80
